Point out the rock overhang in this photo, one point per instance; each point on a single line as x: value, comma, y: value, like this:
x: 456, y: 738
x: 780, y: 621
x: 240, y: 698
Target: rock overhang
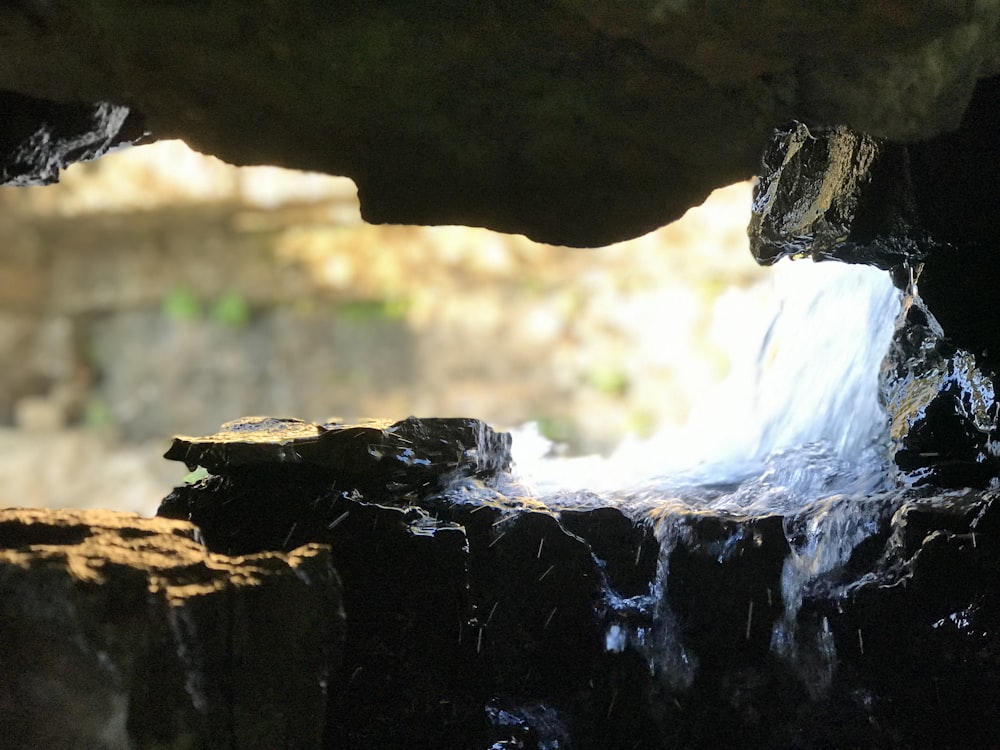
x: 575, y: 123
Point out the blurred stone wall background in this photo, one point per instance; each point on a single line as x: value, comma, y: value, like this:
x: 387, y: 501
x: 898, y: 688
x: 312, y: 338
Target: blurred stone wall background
x: 157, y: 291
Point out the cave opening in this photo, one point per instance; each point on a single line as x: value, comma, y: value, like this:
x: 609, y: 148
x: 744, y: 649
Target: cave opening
x: 326, y: 583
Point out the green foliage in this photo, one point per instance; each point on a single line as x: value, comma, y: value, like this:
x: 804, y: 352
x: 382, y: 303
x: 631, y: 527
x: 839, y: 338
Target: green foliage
x: 559, y: 430
x: 196, y: 476
x: 373, y: 309
x: 97, y: 415
x: 609, y: 380
x: 642, y: 422
x: 231, y: 309
x: 181, y: 304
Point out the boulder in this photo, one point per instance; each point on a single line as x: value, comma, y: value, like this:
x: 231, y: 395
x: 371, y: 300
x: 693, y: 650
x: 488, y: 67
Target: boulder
x: 120, y: 632
x: 942, y: 406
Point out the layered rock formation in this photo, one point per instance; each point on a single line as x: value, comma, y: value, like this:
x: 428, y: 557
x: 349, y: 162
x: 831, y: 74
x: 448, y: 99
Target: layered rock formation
x: 477, y: 617
x: 574, y: 122
x: 120, y: 632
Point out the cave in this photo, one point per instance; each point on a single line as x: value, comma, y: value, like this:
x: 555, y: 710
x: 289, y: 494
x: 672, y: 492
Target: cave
x: 390, y: 583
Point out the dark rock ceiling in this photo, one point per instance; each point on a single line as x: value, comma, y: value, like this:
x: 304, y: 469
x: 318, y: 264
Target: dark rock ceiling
x: 574, y: 122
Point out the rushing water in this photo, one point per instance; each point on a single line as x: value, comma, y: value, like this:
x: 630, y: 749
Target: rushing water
x: 796, y: 430
x: 797, y: 419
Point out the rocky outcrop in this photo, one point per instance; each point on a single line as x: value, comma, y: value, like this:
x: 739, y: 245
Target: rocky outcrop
x: 120, y: 631
x: 927, y: 213
x: 39, y: 138
x: 480, y: 617
x: 399, y: 457
x: 573, y: 122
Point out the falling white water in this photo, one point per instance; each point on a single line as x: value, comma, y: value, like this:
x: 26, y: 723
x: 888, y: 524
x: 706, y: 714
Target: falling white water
x: 796, y: 429
x: 797, y: 418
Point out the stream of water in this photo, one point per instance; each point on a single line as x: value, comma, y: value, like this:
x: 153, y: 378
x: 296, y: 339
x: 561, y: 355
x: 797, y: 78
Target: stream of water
x: 796, y: 430
x: 798, y: 417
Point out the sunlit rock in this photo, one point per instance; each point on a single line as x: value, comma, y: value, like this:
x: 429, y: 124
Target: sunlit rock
x: 120, y: 631
x: 942, y: 404
x: 835, y: 195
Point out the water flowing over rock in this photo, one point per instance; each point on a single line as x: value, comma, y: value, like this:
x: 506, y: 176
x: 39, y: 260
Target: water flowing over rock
x: 120, y: 631
x: 478, y: 615
x: 649, y: 620
x: 927, y: 213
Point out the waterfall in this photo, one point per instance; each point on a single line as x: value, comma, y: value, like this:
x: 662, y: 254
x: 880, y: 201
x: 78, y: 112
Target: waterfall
x: 796, y: 430
x: 797, y: 418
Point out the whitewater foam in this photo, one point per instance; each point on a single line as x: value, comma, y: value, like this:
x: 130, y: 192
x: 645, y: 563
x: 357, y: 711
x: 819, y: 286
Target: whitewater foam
x: 798, y: 417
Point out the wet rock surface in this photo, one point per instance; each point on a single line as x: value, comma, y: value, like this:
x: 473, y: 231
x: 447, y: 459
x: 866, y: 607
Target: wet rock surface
x: 835, y: 195
x: 926, y: 212
x: 396, y: 454
x: 39, y: 138
x: 573, y: 122
x: 120, y: 631
x: 478, y: 616
x: 942, y: 404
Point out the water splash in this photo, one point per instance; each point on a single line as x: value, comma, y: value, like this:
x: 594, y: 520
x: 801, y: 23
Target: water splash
x: 797, y: 418
x: 796, y: 430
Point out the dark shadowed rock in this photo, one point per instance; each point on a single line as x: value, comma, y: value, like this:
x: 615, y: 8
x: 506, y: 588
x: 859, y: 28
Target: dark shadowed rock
x: 916, y: 641
x: 38, y: 138
x: 956, y: 185
x: 574, y: 122
x: 589, y: 622
x: 927, y: 213
x: 120, y: 631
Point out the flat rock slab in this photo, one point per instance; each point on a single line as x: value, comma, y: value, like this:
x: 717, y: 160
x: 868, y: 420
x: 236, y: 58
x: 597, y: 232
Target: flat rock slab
x: 120, y: 631
x: 378, y: 457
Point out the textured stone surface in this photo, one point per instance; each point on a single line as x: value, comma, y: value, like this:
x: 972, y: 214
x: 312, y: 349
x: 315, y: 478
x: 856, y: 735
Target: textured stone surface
x: 943, y: 406
x: 387, y: 461
x: 574, y: 122
x: 486, y: 613
x: 835, y: 195
x: 439, y: 446
x: 120, y: 631
x: 927, y: 212
x: 657, y: 621
x: 38, y: 138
